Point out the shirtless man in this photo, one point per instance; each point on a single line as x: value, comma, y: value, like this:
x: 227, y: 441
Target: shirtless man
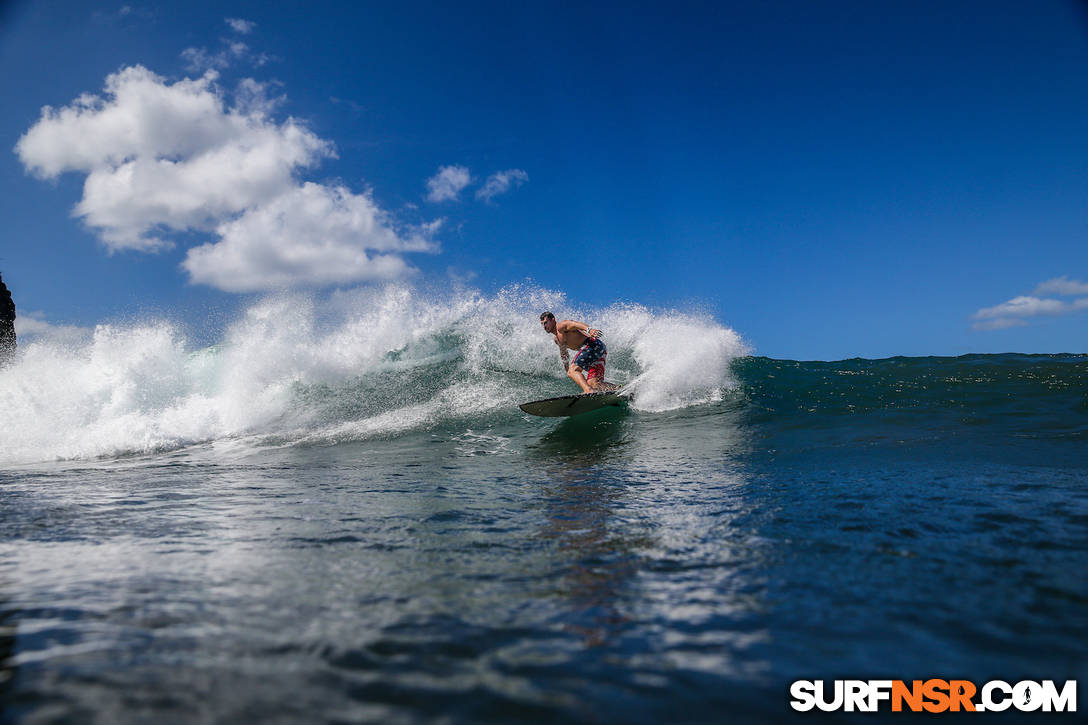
x: 588, y: 367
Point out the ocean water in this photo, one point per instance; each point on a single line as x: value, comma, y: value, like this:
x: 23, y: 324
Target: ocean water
x: 338, y: 514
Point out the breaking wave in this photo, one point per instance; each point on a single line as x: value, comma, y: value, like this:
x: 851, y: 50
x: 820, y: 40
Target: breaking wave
x: 353, y: 365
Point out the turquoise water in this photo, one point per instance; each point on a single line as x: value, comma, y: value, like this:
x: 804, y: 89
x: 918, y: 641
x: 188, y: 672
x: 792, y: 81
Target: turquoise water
x: 343, y: 536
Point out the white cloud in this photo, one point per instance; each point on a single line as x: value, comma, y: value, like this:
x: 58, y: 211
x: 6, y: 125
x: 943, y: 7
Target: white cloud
x: 143, y: 117
x: 311, y: 236
x: 448, y: 183
x: 163, y: 158
x: 1062, y: 286
x: 1022, y: 307
x: 166, y: 157
x: 199, y: 60
x: 252, y: 99
x: 1014, y: 312
x: 238, y: 25
x: 1000, y: 323
x: 32, y: 327
x: 501, y: 182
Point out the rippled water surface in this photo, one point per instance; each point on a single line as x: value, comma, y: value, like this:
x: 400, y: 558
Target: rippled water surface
x: 901, y: 519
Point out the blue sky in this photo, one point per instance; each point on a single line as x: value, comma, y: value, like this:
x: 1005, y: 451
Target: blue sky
x: 831, y: 179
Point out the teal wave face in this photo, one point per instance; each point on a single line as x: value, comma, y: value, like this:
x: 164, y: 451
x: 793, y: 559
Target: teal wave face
x: 976, y: 385
x: 1033, y: 407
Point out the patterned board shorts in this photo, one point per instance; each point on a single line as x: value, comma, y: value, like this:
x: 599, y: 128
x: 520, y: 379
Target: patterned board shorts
x: 590, y: 357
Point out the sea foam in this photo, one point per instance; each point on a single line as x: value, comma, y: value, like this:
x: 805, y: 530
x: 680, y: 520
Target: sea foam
x: 350, y: 365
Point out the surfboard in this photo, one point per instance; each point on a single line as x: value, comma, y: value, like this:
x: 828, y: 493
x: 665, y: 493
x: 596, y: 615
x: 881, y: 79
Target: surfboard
x: 567, y: 405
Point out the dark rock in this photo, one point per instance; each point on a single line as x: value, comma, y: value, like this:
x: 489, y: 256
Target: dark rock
x: 7, y: 323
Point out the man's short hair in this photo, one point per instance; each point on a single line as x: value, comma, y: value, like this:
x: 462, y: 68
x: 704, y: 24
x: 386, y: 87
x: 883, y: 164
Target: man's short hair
x: 545, y: 315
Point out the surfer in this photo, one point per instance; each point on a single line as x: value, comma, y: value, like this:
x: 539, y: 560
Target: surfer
x: 587, y: 369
